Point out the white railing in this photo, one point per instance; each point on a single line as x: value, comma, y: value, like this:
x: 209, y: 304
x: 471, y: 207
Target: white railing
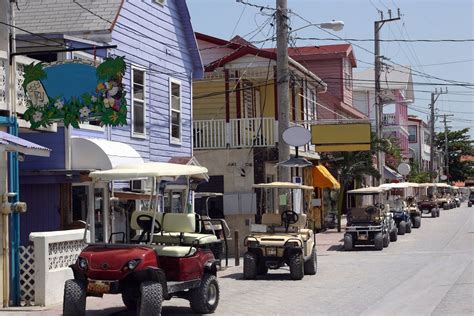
x: 389, y: 119
x: 3, y: 80
x: 247, y: 132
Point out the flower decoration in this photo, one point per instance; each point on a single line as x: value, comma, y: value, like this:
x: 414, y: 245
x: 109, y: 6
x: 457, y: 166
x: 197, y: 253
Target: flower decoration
x: 38, y: 116
x: 85, y: 111
x: 59, y: 104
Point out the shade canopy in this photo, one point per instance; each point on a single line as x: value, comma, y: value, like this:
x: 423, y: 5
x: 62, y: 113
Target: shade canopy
x: 323, y: 179
x: 368, y: 190
x: 149, y: 169
x: 400, y: 185
x: 282, y: 185
x: 9, y: 142
x: 101, y: 154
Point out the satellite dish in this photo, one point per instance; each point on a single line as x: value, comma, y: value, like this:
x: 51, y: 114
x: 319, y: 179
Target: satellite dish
x: 296, y: 136
x: 443, y: 177
x: 404, y: 169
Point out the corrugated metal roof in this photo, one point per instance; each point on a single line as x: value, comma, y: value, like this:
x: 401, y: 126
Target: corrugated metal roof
x: 14, y: 143
x: 66, y: 16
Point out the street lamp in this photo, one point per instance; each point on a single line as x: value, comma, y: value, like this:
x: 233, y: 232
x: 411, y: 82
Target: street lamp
x: 333, y: 25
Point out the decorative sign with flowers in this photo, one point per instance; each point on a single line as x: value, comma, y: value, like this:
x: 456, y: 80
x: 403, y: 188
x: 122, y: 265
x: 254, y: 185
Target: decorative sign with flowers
x: 73, y: 92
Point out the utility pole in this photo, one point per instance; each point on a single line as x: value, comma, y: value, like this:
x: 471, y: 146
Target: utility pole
x: 434, y: 97
x: 378, y: 100
x: 282, y: 86
x: 446, y: 152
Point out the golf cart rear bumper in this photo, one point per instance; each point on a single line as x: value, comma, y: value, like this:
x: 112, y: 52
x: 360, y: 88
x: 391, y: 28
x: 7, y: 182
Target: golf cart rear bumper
x: 361, y: 229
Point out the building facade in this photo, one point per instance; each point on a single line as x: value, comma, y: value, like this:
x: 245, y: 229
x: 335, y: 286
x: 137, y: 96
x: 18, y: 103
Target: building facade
x: 419, y: 138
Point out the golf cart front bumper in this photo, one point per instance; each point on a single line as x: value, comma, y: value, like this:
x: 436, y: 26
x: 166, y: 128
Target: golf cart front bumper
x: 272, y: 247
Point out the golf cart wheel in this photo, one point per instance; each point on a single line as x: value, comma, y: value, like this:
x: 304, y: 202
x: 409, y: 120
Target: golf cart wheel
x: 445, y: 206
x: 311, y: 265
x: 74, y: 303
x: 386, y: 240
x: 151, y: 296
x: 433, y: 212
x: 205, y: 298
x: 417, y: 222
x: 408, y: 227
x: 130, y: 297
x: 402, y: 228
x: 393, y: 235
x: 348, y: 242
x: 438, y: 213
x: 378, y: 241
x: 469, y: 204
x: 296, y: 266
x: 262, y: 268
x: 250, y: 266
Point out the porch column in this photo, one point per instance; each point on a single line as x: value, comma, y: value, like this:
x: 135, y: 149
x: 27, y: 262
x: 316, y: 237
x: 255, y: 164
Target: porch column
x: 238, y: 103
x: 227, y: 108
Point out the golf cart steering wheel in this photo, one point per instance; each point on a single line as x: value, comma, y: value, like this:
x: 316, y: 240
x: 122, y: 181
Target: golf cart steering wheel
x: 145, y: 220
x: 289, y: 217
x: 380, y: 206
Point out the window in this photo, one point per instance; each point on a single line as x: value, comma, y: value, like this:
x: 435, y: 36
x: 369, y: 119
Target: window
x: 412, y: 137
x: 138, y: 102
x: 175, y: 111
x: 347, y: 74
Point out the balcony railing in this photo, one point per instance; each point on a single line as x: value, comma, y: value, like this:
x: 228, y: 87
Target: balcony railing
x: 389, y: 119
x: 237, y: 133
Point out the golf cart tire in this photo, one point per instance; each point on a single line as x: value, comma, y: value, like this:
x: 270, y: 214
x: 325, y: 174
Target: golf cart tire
x: 378, y: 241
x: 393, y: 235
x: 402, y: 228
x: 438, y: 213
x: 445, y: 206
x: 348, y: 242
x: 296, y: 266
x: 74, y: 303
x: 408, y: 228
x: 250, y: 266
x: 151, y: 297
x: 311, y: 265
x: 201, y: 299
x: 433, y: 213
x: 469, y: 204
x: 417, y: 222
x: 386, y: 240
x: 130, y: 298
x: 262, y: 268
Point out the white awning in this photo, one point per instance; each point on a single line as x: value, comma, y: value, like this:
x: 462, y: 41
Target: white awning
x: 101, y: 154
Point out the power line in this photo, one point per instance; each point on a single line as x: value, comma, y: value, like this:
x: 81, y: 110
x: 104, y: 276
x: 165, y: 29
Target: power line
x: 465, y: 40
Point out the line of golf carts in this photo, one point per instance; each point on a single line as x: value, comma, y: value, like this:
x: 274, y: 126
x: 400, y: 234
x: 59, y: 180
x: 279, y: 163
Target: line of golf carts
x: 377, y: 215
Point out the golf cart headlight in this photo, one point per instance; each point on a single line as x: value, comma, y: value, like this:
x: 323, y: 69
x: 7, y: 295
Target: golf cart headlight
x: 132, y: 264
x: 82, y: 263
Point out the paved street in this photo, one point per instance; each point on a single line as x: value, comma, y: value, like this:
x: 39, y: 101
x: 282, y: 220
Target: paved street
x: 429, y: 271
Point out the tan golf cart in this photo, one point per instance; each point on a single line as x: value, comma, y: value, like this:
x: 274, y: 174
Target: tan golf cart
x: 282, y: 237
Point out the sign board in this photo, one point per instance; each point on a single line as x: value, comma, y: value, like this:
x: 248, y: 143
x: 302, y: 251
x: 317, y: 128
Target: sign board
x: 404, y: 169
x: 341, y: 137
x: 74, y: 91
x: 296, y: 136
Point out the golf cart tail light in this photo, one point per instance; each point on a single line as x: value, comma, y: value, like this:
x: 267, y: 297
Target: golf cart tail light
x: 132, y: 264
x: 82, y: 262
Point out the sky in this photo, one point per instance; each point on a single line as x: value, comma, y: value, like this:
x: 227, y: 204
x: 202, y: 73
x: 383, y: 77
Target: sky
x: 420, y: 19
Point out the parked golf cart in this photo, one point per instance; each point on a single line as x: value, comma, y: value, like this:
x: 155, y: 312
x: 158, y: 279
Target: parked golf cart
x: 404, y: 210
x: 213, y: 224
x: 470, y: 200
x: 443, y: 195
x: 369, y: 220
x: 456, y: 195
x: 281, y: 238
x: 166, y: 259
x: 428, y: 203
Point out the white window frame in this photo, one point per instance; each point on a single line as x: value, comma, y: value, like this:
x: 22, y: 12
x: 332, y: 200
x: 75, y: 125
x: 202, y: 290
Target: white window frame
x: 132, y: 101
x: 174, y: 140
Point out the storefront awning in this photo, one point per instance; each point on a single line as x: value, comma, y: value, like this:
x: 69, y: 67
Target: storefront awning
x: 101, y: 154
x: 323, y: 179
x: 13, y: 143
x: 391, y: 174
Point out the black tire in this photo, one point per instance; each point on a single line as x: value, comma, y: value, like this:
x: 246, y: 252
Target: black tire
x: 409, y: 226
x: 417, y: 222
x: 205, y: 298
x: 311, y: 265
x: 150, y: 299
x: 438, y: 213
x: 262, y: 268
x: 446, y: 206
x: 296, y: 266
x: 469, y: 204
x: 402, y: 228
x: 378, y: 241
x: 433, y: 212
x: 393, y: 235
x: 74, y: 301
x: 386, y: 240
x: 348, y: 242
x: 250, y: 266
x: 130, y: 298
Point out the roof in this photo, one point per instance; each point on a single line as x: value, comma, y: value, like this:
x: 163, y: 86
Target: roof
x: 66, y: 16
x: 368, y: 190
x: 282, y: 185
x: 323, y: 52
x: 14, y: 143
x: 389, y: 173
x: 148, y: 169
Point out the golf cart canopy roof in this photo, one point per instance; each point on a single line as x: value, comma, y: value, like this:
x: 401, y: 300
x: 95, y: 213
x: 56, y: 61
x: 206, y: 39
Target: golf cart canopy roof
x: 198, y: 195
x: 147, y: 170
x: 427, y: 184
x: 282, y: 185
x: 414, y: 184
x: 400, y: 185
x: 369, y: 190
x: 442, y: 185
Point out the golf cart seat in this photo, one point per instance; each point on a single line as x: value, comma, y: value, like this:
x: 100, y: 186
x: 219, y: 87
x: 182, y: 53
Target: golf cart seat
x: 174, y: 251
x: 271, y: 219
x: 179, y: 229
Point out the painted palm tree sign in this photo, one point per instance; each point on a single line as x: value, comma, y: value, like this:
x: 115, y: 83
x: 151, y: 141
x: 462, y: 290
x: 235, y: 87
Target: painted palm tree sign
x: 72, y: 92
